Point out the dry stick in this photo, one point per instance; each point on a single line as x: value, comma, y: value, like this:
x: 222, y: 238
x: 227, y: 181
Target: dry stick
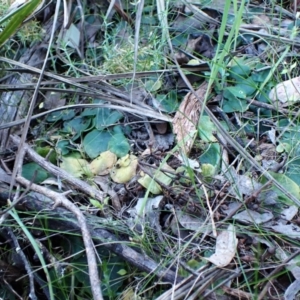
x: 99, y: 232
x: 213, y: 225
x: 21, y: 151
x: 237, y: 293
x: 70, y: 81
x: 138, y: 18
x: 8, y: 286
x: 56, y: 171
x: 271, y: 107
x: 61, y: 200
x: 12, y: 205
x: 133, y: 109
x: 27, y: 266
x: 274, y: 272
x: 92, y: 78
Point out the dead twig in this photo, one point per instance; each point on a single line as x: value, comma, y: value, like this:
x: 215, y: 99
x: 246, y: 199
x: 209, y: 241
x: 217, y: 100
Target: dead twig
x: 61, y: 200
x: 25, y: 262
x: 21, y: 150
x: 99, y: 230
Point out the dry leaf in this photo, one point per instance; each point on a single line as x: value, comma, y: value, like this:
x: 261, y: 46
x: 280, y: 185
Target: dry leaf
x: 124, y: 169
x: 225, y: 248
x: 187, y: 117
x: 75, y: 166
x: 103, y: 163
x: 253, y: 217
x: 286, y: 92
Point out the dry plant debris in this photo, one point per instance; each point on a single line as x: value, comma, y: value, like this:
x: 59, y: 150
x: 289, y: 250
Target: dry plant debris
x: 153, y: 153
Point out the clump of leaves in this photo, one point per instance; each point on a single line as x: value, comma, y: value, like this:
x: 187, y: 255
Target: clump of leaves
x: 94, y: 125
x: 12, y: 19
x: 30, y: 32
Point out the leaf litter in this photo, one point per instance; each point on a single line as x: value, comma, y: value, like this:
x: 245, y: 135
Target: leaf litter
x: 173, y: 185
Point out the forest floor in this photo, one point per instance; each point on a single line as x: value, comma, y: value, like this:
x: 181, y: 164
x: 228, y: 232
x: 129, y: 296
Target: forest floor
x: 152, y: 147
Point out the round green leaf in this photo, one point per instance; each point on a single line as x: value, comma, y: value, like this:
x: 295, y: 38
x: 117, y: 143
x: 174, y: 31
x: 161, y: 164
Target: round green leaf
x: 63, y: 147
x: 77, y: 125
x: 206, y: 129
x: 74, y: 165
x: 239, y: 71
x: 168, y: 102
x: 153, y: 85
x: 248, y: 86
x: 33, y: 172
x: 236, y: 91
x: 234, y: 104
x: 64, y: 115
x: 106, y: 117
x: 119, y: 145
x: 284, y: 147
x: 96, y: 142
x: 212, y: 155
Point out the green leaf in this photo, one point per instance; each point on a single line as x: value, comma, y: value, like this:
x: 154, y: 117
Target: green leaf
x: 288, y: 184
x: 33, y: 172
x: 17, y: 18
x: 284, y: 147
x: 153, y: 85
x: 89, y: 112
x: 96, y: 142
x: 71, y: 37
x: 122, y: 272
x: 261, y: 75
x: 55, y: 116
x: 208, y: 170
x: 212, y: 155
x: 206, y: 129
x: 63, y: 147
x: 81, y: 273
x: 239, y: 71
x: 234, y: 104
x: 124, y: 169
x: 236, y: 91
x: 119, y: 145
x: 169, y: 102
x: 106, y: 117
x: 64, y: 115
x: 112, y: 279
x: 293, y: 170
x: 44, y: 151
x: 76, y: 126
x: 248, y: 85
x: 96, y: 203
x: 148, y: 183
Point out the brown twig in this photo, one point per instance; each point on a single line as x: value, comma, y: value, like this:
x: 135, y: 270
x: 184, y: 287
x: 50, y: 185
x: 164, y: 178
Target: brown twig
x: 21, y: 150
x: 61, y: 200
x: 99, y: 230
x: 25, y: 262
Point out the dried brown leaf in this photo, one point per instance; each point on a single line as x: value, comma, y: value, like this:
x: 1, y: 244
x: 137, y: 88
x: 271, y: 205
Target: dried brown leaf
x: 286, y: 93
x: 187, y: 117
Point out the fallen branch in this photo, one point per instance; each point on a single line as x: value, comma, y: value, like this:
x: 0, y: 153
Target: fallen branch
x: 61, y: 200
x: 60, y: 219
